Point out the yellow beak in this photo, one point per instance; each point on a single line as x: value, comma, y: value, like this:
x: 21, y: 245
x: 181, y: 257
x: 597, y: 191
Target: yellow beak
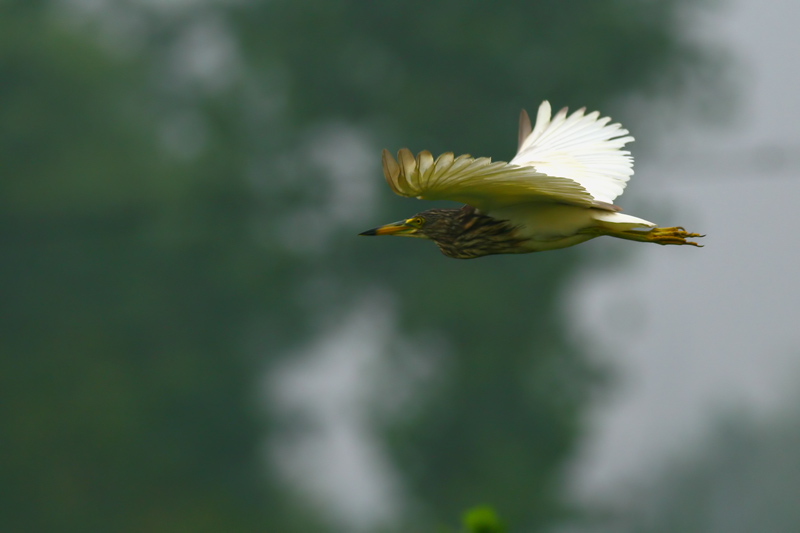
x: 399, y: 228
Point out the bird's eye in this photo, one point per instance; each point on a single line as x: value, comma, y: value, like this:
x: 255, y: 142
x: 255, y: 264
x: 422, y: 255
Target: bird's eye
x: 415, y: 221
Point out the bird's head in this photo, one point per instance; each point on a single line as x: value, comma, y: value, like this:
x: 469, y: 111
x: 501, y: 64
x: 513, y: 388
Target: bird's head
x: 433, y: 224
x: 460, y: 233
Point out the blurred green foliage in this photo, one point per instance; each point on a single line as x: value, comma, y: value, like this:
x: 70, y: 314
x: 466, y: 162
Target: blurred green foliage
x: 483, y: 519
x: 151, y: 269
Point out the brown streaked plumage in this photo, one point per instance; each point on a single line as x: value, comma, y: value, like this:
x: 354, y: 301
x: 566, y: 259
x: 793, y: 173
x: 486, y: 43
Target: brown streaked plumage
x: 465, y: 233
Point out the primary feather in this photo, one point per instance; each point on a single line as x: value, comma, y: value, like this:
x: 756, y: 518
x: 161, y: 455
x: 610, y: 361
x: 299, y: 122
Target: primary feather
x: 582, y: 148
x: 476, y: 181
x: 573, y: 160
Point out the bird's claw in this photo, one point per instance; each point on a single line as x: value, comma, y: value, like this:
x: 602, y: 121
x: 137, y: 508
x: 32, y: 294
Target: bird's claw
x: 676, y: 235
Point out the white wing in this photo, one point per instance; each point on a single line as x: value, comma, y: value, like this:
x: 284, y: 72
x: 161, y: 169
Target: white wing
x: 583, y: 148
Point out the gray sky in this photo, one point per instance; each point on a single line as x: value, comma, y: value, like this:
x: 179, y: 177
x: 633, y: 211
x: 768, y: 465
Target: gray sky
x: 701, y: 333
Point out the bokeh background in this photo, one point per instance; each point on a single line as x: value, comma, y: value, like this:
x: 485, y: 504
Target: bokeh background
x: 193, y: 339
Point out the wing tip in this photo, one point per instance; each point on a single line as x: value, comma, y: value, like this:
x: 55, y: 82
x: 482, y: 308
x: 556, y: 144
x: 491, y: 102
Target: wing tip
x: 525, y: 129
x: 391, y: 170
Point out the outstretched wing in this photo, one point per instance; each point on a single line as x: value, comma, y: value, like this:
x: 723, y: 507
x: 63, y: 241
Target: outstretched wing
x: 583, y: 148
x: 487, y: 185
x: 476, y: 181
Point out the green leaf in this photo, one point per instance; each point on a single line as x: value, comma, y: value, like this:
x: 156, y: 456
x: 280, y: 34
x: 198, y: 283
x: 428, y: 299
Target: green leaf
x: 482, y: 519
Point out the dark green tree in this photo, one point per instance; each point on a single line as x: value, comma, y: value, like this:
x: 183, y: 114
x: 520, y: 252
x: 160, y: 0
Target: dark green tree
x: 126, y: 277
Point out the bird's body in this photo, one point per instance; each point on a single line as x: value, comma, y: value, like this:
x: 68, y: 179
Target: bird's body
x: 556, y: 192
x: 466, y: 233
x: 549, y: 226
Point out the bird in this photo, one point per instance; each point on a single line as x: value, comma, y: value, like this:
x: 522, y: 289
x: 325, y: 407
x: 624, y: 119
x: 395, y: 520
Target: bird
x: 557, y: 191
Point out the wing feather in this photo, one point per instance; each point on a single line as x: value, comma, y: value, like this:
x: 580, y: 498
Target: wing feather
x: 573, y: 158
x: 476, y: 181
x: 584, y: 148
x: 391, y: 171
x: 524, y: 129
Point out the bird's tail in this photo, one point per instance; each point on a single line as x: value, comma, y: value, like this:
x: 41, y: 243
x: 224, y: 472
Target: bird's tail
x: 615, y: 221
x: 632, y: 228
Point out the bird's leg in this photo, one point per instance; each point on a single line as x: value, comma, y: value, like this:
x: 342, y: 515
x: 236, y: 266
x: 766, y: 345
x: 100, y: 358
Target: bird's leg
x: 675, y: 235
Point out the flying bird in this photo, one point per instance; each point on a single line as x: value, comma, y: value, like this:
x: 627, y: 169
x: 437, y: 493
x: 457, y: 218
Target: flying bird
x: 557, y: 191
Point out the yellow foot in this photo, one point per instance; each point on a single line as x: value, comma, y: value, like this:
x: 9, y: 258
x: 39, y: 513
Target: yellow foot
x: 676, y: 235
